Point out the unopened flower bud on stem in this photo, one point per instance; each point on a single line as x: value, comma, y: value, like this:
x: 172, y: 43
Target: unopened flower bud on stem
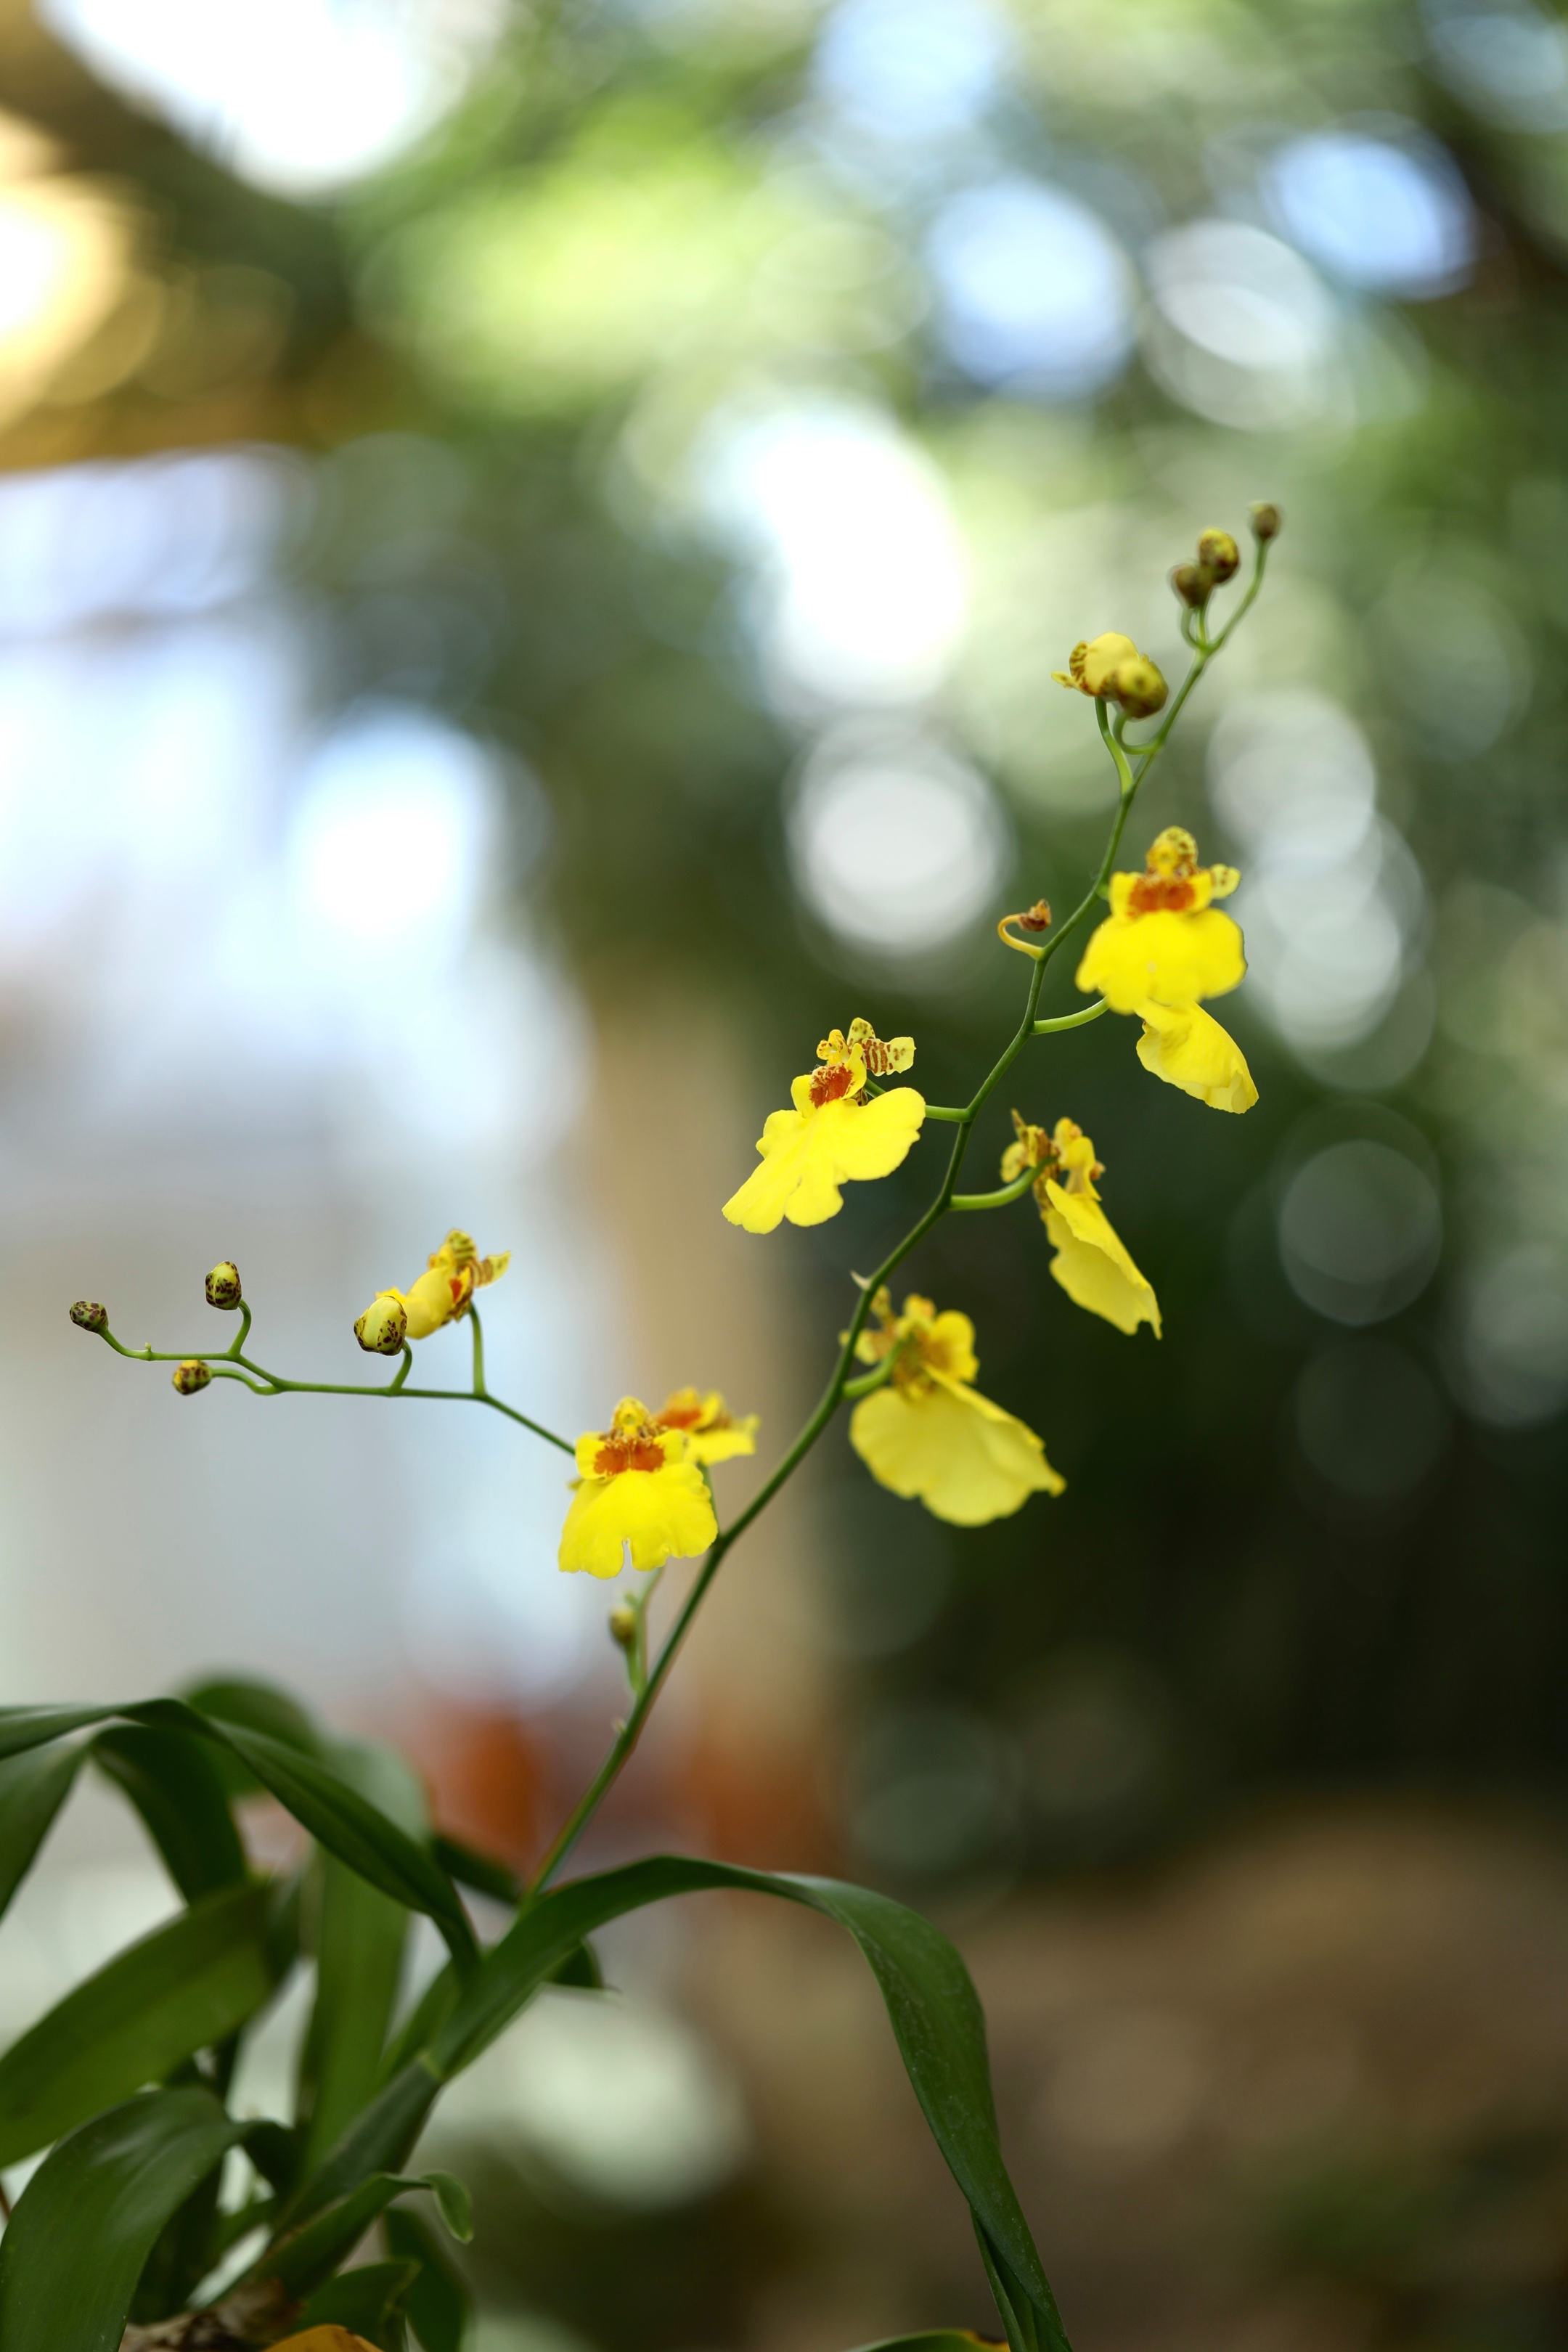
x: 1190, y: 585
x: 1267, y: 520
x: 88, y: 1316
x: 1138, y: 685
x: 624, y: 1625
x: 1218, y: 555
x: 190, y: 1376
x: 382, y: 1329
x: 223, y: 1285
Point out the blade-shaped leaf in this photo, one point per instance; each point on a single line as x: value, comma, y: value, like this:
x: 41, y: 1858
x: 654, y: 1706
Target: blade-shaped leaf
x: 73, y: 2250
x: 366, y: 2302
x: 187, y: 1985
x: 936, y: 2339
x: 176, y: 1785
x: 34, y: 1785
x: 337, y: 1817
x: 361, y: 1934
x: 304, y: 2260
x: 931, y: 2002
x: 440, y: 2307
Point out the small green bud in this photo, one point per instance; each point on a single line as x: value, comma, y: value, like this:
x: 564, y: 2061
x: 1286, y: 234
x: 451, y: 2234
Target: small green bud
x: 1218, y: 555
x: 88, y: 1316
x: 1190, y: 584
x: 190, y: 1376
x: 382, y: 1329
x: 1137, y: 685
x: 1267, y: 520
x: 623, y: 1625
x: 223, y: 1285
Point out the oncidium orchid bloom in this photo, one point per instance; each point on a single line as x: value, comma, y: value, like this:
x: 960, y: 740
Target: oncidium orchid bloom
x: 1089, y: 1258
x: 930, y: 1437
x: 836, y: 1133
x: 438, y: 1297
x: 711, y: 1431
x: 1164, y: 941
x: 637, y: 1491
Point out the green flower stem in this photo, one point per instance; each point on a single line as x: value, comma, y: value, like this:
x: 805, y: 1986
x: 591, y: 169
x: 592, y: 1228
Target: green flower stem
x: 868, y: 1382
x: 956, y: 1118
x: 1112, y: 742
x: 1072, y: 1020
x: 630, y: 1732
x: 275, y: 1383
x: 478, y: 1353
x: 999, y: 1200
x: 237, y: 1345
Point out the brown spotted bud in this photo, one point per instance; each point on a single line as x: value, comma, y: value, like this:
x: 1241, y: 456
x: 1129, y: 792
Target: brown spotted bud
x: 1137, y: 685
x: 190, y: 1376
x: 1189, y: 584
x: 223, y: 1285
x: 1267, y: 520
x: 88, y: 1316
x: 1218, y: 555
x: 624, y: 1625
x: 382, y: 1329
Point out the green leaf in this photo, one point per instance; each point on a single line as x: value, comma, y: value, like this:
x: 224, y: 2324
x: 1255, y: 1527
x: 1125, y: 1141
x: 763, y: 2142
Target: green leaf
x: 187, y: 1985
x: 480, y: 1871
x: 931, y: 2002
x: 34, y: 1785
x: 361, y: 1934
x: 86, y: 2223
x: 257, y: 1707
x: 22, y: 1727
x: 937, y: 2339
x: 175, y: 1784
x: 364, y: 2301
x: 440, y: 2307
x: 336, y: 1816
x: 303, y: 2261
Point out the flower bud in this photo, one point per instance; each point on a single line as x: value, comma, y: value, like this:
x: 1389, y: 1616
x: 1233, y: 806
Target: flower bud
x: 623, y: 1625
x: 1138, y: 687
x: 1089, y: 665
x: 383, y: 1328
x: 1267, y: 520
x: 190, y: 1376
x: 223, y: 1285
x: 88, y: 1316
x: 1190, y: 584
x: 1218, y: 555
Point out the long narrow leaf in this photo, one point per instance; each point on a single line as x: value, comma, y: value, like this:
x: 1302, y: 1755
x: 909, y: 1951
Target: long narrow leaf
x: 366, y: 2302
x: 184, y: 1986
x: 84, y: 2225
x: 360, y: 1936
x: 336, y: 1816
x: 931, y: 2002
x: 176, y: 1785
x: 305, y: 2261
x: 34, y: 1785
x: 440, y: 2307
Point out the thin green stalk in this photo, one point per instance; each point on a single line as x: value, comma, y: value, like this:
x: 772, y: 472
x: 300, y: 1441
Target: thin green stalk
x: 1130, y: 779
x: 1072, y: 1020
x: 998, y: 1200
x: 277, y: 1384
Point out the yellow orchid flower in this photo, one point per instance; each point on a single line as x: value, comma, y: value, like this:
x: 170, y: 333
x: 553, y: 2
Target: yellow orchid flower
x: 441, y: 1293
x: 836, y: 1133
x: 928, y: 1435
x: 1164, y: 941
x: 1187, y: 1046
x: 639, y: 1487
x: 711, y: 1433
x: 1090, y: 1260
x: 1089, y: 665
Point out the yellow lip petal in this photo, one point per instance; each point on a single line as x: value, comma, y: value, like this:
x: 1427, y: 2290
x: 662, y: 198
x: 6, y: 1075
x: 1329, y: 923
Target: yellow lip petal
x: 656, y: 1515
x: 1188, y: 1048
x: 945, y: 1446
x: 1092, y: 1264
x: 808, y: 1153
x: 1163, y: 959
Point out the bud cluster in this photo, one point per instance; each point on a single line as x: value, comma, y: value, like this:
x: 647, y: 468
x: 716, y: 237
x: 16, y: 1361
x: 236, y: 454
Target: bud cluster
x: 1218, y: 558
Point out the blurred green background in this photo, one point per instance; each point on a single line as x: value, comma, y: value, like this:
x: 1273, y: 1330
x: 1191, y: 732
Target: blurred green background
x: 533, y: 547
